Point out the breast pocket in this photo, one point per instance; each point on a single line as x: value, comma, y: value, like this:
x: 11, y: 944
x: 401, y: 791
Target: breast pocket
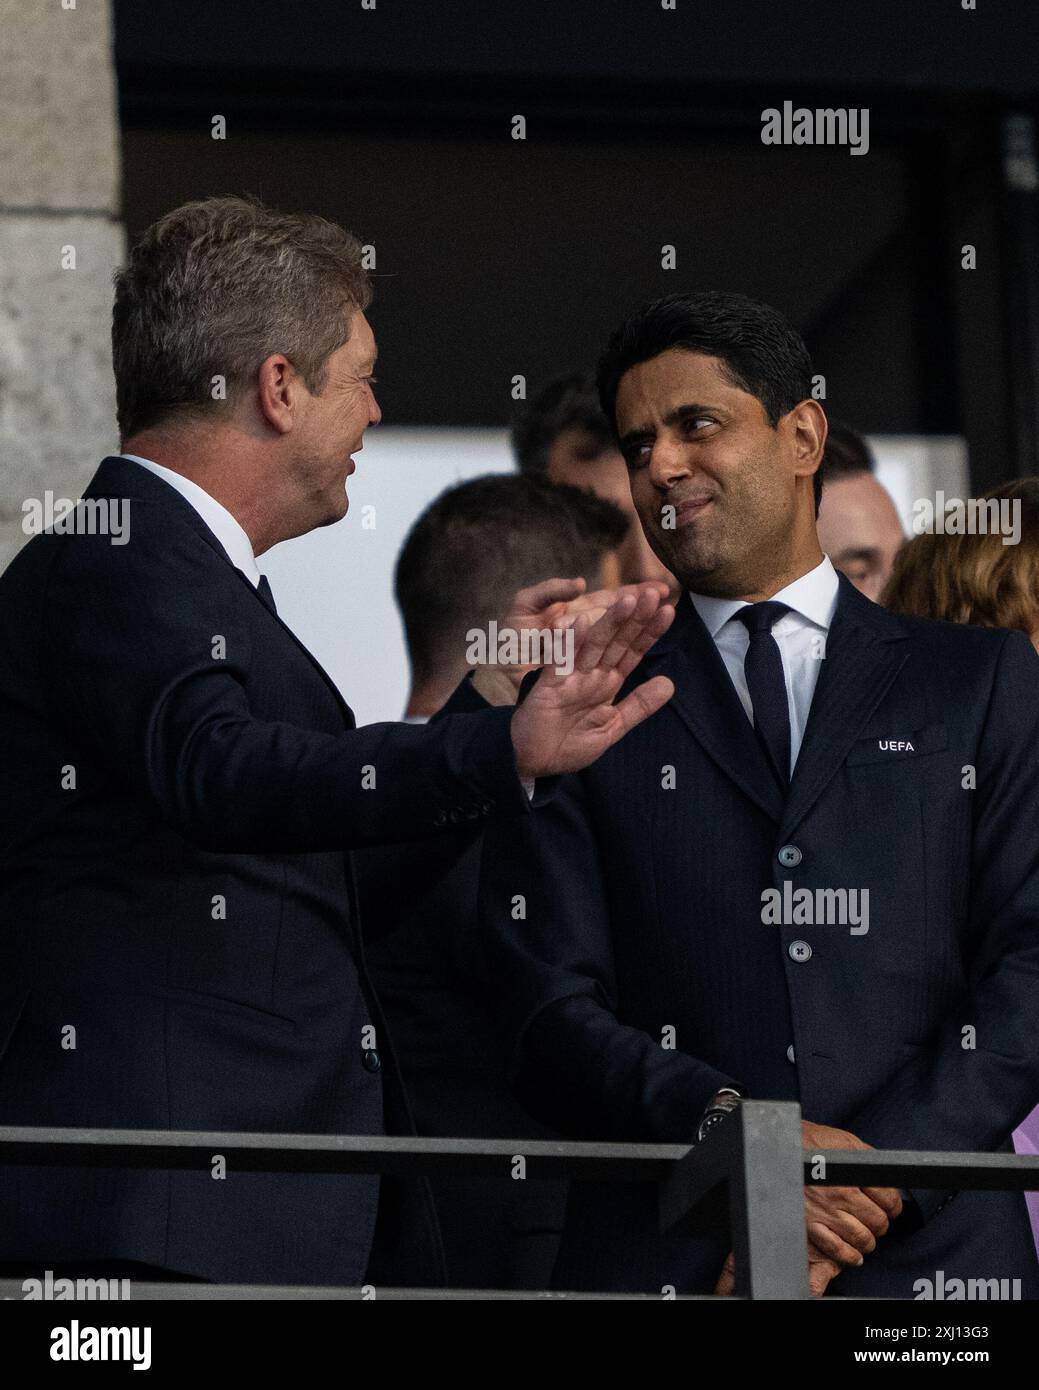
x: 898, y: 745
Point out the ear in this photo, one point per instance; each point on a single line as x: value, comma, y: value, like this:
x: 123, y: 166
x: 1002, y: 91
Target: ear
x: 807, y: 428
x: 279, y: 388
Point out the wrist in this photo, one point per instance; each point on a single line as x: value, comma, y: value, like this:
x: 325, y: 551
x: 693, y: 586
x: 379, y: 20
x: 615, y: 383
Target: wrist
x: 718, y: 1111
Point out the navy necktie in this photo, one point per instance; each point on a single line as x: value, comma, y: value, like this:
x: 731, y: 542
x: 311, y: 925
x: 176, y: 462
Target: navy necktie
x: 763, y: 667
x: 264, y: 590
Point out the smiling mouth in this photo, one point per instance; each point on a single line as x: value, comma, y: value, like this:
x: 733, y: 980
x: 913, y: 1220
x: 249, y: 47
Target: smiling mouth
x: 689, y: 511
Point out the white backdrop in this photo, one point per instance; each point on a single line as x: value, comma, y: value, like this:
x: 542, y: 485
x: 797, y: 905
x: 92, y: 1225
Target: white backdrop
x: 335, y: 587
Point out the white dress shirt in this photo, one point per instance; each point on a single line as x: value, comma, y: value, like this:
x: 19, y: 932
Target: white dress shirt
x: 228, y: 532
x: 800, y: 634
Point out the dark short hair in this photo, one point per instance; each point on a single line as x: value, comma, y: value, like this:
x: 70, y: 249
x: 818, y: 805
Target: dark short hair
x: 846, y: 455
x: 479, y: 542
x: 566, y: 403
x: 761, y: 351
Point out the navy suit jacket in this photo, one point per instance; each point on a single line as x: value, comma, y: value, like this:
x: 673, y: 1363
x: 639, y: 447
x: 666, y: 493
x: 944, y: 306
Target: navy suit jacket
x: 643, y: 977
x: 182, y: 783
x: 419, y: 907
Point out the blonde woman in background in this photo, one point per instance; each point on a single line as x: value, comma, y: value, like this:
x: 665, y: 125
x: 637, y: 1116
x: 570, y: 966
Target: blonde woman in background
x: 978, y: 579
x: 974, y: 579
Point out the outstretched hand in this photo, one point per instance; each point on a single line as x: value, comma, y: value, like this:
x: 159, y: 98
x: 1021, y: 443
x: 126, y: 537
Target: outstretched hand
x: 569, y: 720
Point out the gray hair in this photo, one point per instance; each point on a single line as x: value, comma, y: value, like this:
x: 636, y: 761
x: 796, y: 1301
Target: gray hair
x: 213, y: 289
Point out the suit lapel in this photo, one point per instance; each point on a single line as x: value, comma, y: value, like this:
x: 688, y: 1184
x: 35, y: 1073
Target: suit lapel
x: 119, y: 477
x: 865, y: 650
x: 705, y: 700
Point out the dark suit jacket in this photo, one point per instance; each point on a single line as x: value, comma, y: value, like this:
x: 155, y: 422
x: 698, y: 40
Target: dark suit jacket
x: 419, y: 908
x: 644, y: 978
x: 182, y: 781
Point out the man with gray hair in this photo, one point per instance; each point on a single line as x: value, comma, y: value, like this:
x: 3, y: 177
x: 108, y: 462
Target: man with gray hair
x: 177, y: 912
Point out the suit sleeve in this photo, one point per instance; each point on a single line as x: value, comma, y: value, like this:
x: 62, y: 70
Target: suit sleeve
x: 154, y: 671
x: 549, y: 961
x: 980, y: 1078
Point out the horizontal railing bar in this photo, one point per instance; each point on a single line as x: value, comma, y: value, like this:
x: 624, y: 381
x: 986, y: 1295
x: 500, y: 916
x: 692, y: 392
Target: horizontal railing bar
x: 925, y: 1168
x: 13, y: 1289
x: 402, y: 1156
x: 339, y: 1153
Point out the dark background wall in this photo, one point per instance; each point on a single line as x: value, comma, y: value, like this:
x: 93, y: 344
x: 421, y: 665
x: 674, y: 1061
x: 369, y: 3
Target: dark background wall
x: 498, y: 257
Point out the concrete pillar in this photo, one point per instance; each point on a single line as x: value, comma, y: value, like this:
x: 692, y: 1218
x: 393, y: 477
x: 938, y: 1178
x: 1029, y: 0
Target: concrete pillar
x: 60, y: 240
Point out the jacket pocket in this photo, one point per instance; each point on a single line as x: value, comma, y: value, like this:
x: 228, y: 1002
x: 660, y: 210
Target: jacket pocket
x: 899, y: 746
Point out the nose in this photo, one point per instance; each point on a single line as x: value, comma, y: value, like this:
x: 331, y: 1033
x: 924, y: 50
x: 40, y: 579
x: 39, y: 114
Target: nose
x: 374, y: 413
x: 668, y: 462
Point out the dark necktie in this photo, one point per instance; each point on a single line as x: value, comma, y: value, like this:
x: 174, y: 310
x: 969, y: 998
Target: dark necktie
x: 264, y: 590
x: 763, y: 667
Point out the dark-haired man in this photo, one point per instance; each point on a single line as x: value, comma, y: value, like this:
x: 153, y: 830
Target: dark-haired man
x: 460, y: 565
x: 563, y: 435
x: 457, y: 565
x: 653, y: 980
x: 858, y: 522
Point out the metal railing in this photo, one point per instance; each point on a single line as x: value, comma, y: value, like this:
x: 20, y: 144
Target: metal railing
x: 746, y: 1178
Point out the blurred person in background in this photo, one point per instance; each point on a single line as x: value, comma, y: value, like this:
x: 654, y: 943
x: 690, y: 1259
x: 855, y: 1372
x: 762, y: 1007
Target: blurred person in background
x: 458, y: 570
x: 858, y: 525
x: 974, y: 578
x: 563, y: 435
x: 457, y: 562
x: 978, y: 579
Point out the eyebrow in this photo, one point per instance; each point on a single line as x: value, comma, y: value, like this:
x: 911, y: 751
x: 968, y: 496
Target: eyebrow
x: 673, y: 417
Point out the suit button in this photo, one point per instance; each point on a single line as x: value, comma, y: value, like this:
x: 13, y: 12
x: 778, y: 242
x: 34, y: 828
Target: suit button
x: 371, y: 1060
x: 790, y: 1054
x: 440, y: 818
x: 487, y: 807
x: 799, y: 951
x: 790, y: 856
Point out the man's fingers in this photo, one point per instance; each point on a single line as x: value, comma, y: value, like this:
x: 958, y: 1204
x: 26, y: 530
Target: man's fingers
x: 861, y: 1207
x: 726, y: 1284
x: 832, y: 1246
x: 887, y: 1197
x: 656, y: 627
x: 642, y: 702
x: 820, y: 1272
x: 647, y: 606
x: 549, y: 591
x: 600, y: 634
x: 611, y: 637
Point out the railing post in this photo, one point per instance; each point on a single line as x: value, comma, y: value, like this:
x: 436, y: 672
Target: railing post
x: 766, y: 1202
x: 757, y: 1155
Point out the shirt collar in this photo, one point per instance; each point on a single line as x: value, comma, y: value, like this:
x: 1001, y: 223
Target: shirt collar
x: 223, y: 525
x: 813, y: 596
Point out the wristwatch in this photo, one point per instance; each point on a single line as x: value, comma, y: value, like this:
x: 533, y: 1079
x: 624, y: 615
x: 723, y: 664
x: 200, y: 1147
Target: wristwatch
x: 722, y: 1106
